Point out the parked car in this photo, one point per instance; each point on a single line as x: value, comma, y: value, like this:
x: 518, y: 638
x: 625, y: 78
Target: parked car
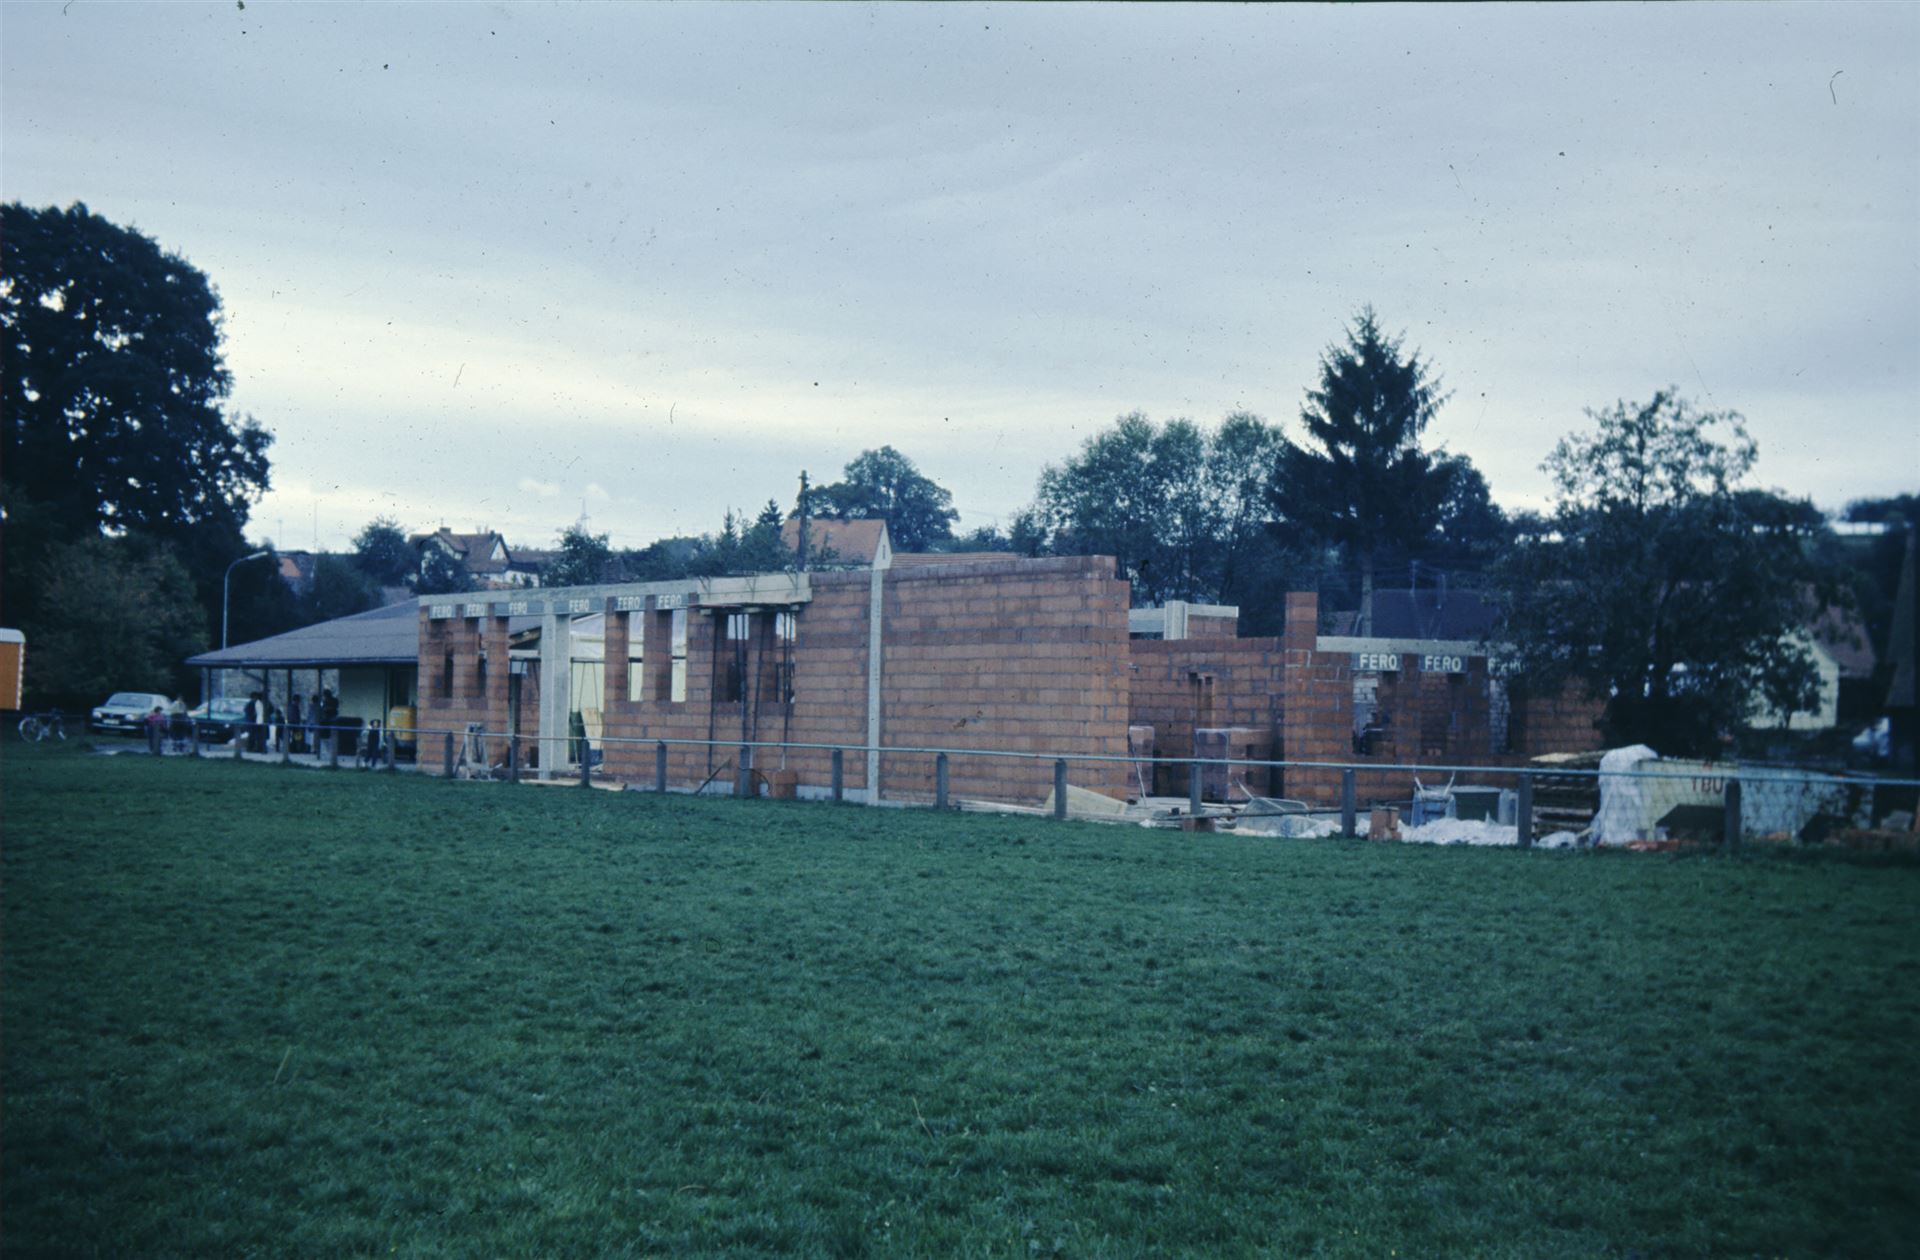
x: 124, y: 711
x: 220, y: 720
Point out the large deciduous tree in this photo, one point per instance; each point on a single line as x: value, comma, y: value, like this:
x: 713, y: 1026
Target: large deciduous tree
x: 115, y: 388
x: 113, y: 423
x: 1364, y: 484
x: 584, y: 559
x: 1182, y: 510
x: 1663, y: 585
x: 382, y: 552
x: 116, y: 613
x: 884, y: 485
x: 442, y: 573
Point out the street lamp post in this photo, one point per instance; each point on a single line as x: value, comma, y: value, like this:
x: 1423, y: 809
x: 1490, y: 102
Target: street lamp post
x: 225, y: 591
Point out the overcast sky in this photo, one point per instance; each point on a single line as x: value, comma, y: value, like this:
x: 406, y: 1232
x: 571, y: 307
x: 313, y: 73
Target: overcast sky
x: 488, y: 264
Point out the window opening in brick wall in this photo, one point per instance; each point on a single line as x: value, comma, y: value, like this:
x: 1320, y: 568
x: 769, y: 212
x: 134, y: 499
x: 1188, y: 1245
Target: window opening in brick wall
x: 480, y: 663
x: 730, y: 667
x: 446, y: 675
x: 786, y: 628
x: 1369, y: 720
x: 1499, y: 715
x: 636, y: 655
x: 677, y: 648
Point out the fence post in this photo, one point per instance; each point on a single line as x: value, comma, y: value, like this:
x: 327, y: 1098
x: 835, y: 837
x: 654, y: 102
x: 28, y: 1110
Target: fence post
x: 1523, y: 811
x: 513, y: 759
x: 660, y: 767
x: 1347, y: 802
x: 333, y: 748
x: 940, y: 780
x: 1060, y: 788
x: 448, y: 755
x: 586, y: 764
x: 839, y: 775
x: 387, y: 744
x: 743, y: 773
x: 1193, y: 788
x: 240, y: 747
x: 1731, y: 828
x: 195, y: 727
x: 286, y: 752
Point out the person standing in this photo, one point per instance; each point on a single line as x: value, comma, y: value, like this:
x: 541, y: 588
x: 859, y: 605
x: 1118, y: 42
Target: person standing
x: 256, y: 723
x: 156, y: 729
x: 330, y: 716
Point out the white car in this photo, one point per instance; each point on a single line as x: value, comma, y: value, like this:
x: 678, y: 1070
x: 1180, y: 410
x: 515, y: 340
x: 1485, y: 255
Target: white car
x: 125, y: 711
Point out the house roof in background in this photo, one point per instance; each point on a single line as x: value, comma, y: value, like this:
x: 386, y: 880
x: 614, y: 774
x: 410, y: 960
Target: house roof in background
x: 1423, y: 614
x: 853, y: 543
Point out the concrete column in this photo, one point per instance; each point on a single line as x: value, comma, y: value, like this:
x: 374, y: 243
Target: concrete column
x: 875, y: 599
x: 556, y: 651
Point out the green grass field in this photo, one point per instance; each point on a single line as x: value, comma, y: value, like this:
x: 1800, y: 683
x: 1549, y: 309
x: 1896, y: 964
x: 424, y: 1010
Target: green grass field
x: 258, y: 1011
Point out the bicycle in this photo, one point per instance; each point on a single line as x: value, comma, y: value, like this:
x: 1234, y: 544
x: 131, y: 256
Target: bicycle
x: 36, y: 727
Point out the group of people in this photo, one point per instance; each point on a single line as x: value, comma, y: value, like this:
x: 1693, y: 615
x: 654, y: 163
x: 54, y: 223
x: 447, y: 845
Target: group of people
x: 169, y: 723
x: 266, y: 727
x: 293, y: 730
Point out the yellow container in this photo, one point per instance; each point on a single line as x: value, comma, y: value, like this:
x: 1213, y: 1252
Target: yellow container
x: 13, y: 660
x: 400, y: 729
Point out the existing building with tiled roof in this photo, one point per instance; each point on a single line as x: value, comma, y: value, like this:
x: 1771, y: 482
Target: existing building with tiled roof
x: 840, y: 544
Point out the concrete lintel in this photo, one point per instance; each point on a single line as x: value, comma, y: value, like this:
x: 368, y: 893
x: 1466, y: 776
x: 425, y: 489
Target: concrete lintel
x: 755, y: 588
x: 1169, y: 621
x: 1400, y: 647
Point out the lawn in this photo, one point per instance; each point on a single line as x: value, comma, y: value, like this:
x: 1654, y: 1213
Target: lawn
x: 262, y: 1011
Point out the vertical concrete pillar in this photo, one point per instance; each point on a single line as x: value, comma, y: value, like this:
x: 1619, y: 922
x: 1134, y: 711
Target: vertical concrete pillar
x: 1731, y: 828
x: 1523, y: 817
x: 875, y: 599
x: 448, y: 756
x: 940, y: 781
x: 660, y: 767
x: 839, y: 775
x: 1348, y: 803
x: 556, y: 653
x: 1060, y: 788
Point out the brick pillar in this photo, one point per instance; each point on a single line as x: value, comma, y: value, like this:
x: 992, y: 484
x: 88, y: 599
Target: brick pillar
x: 1303, y: 620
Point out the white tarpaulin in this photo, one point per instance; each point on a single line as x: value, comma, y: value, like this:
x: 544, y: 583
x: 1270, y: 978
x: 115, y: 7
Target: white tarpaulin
x: 1624, y: 804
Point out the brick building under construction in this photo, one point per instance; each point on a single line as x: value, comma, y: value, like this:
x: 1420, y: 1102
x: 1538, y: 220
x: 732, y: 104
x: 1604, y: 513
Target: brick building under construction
x: 963, y: 652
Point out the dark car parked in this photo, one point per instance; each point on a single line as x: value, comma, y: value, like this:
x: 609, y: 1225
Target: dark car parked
x: 220, y: 720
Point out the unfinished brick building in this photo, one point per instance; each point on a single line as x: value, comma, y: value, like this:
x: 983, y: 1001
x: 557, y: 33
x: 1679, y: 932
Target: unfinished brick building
x: 984, y: 653
x: 1308, y: 697
x: 977, y: 652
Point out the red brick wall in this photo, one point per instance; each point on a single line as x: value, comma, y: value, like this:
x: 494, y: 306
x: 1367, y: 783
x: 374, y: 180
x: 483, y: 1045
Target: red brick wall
x: 1212, y: 627
x: 469, y: 702
x: 1304, y: 698
x: 1023, y: 655
x: 1018, y: 655
x: 1179, y: 685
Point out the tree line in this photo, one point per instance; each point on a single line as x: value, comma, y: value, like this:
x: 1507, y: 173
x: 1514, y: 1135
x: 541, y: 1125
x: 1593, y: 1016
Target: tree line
x: 1660, y: 579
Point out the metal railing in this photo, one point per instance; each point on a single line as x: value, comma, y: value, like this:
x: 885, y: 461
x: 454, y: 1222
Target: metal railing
x: 1656, y: 804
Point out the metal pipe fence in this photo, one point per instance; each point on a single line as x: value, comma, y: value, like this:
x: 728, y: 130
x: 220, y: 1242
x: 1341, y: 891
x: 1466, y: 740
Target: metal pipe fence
x: 1652, y: 804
